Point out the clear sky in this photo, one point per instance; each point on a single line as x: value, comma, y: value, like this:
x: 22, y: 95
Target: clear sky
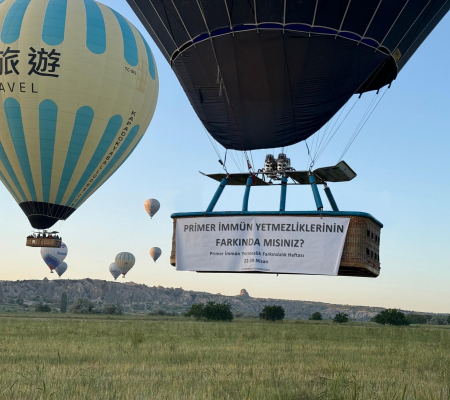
x: 401, y: 157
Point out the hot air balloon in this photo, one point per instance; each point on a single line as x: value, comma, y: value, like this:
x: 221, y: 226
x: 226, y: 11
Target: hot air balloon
x: 151, y: 206
x: 155, y: 253
x: 61, y: 268
x: 54, y: 256
x: 124, y: 262
x: 264, y: 74
x: 78, y: 88
x: 114, y: 270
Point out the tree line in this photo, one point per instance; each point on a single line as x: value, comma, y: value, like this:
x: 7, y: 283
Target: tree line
x: 212, y: 311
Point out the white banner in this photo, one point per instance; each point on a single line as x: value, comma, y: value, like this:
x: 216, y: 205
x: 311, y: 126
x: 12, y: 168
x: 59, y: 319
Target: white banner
x: 299, y: 245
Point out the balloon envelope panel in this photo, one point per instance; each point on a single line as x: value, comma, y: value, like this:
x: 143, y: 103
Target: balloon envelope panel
x: 266, y: 73
x: 54, y: 256
x: 78, y: 88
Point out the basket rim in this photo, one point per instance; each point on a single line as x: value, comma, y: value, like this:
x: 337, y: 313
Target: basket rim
x: 277, y: 213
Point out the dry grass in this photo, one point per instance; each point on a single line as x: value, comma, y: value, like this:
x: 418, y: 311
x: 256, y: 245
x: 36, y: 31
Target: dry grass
x: 152, y: 358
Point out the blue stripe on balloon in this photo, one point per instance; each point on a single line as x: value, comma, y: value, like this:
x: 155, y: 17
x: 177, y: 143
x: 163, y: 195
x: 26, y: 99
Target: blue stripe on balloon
x: 151, y: 61
x: 54, y: 22
x: 130, y: 50
x: 96, y: 31
x: 15, y: 124
x: 127, y: 142
x: 10, y: 171
x: 83, y: 121
x: 107, y: 139
x: 6, y: 183
x: 13, y: 21
x: 48, y: 114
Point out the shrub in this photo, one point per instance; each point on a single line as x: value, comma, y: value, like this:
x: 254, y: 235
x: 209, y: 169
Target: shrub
x: 41, y: 307
x: 196, y: 311
x: 112, y: 309
x: 19, y: 301
x: 211, y: 311
x: 82, y: 306
x: 317, y: 316
x: 340, y: 318
x: 391, y: 316
x: 218, y: 311
x: 272, y: 313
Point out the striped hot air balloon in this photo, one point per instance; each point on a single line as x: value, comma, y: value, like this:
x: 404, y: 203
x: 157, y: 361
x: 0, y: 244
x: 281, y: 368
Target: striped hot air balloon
x: 78, y: 88
x: 124, y: 262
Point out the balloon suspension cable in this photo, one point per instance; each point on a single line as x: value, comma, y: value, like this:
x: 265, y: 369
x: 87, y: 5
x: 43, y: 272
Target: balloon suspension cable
x: 330, y: 133
x: 372, y: 107
x: 222, y: 87
x: 224, y: 162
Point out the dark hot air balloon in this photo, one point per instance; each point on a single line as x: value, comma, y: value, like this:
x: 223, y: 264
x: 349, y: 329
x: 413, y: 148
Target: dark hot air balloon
x: 265, y: 73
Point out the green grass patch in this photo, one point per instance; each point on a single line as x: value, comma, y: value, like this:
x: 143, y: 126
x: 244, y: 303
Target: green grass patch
x: 147, y: 357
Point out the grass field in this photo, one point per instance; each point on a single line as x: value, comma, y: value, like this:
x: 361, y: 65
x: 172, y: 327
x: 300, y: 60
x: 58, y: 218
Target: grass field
x: 45, y: 357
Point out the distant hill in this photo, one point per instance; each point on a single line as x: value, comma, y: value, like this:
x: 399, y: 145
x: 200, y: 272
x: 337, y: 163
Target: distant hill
x: 138, y: 298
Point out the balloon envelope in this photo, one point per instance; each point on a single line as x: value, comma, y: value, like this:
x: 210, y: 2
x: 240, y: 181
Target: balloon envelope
x: 78, y: 92
x: 266, y: 73
x: 155, y: 253
x: 53, y: 256
x: 151, y: 206
x: 61, y: 268
x: 114, y: 270
x: 124, y: 262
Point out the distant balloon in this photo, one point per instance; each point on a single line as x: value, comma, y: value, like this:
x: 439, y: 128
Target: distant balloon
x: 151, y: 206
x: 54, y: 256
x: 155, y: 253
x: 114, y: 270
x: 61, y: 268
x: 124, y: 262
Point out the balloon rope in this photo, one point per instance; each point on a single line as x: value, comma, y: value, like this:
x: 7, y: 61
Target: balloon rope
x: 222, y: 86
x: 335, y: 131
x: 361, y: 126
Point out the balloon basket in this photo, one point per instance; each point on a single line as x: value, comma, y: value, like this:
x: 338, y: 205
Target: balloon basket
x: 360, y: 256
x: 43, y: 242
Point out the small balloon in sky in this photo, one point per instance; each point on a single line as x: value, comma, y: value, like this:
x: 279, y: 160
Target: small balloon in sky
x: 151, y: 206
x: 114, y: 270
x: 61, y: 268
x: 125, y: 261
x: 155, y: 253
x: 54, y: 256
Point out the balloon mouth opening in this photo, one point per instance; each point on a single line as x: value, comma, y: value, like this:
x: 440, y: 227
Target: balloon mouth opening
x: 45, y: 215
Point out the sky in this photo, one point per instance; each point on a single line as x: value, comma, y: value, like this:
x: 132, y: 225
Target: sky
x: 400, y: 156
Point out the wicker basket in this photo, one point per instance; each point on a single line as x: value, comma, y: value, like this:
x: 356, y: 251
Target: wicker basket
x: 360, y: 256
x: 43, y: 242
